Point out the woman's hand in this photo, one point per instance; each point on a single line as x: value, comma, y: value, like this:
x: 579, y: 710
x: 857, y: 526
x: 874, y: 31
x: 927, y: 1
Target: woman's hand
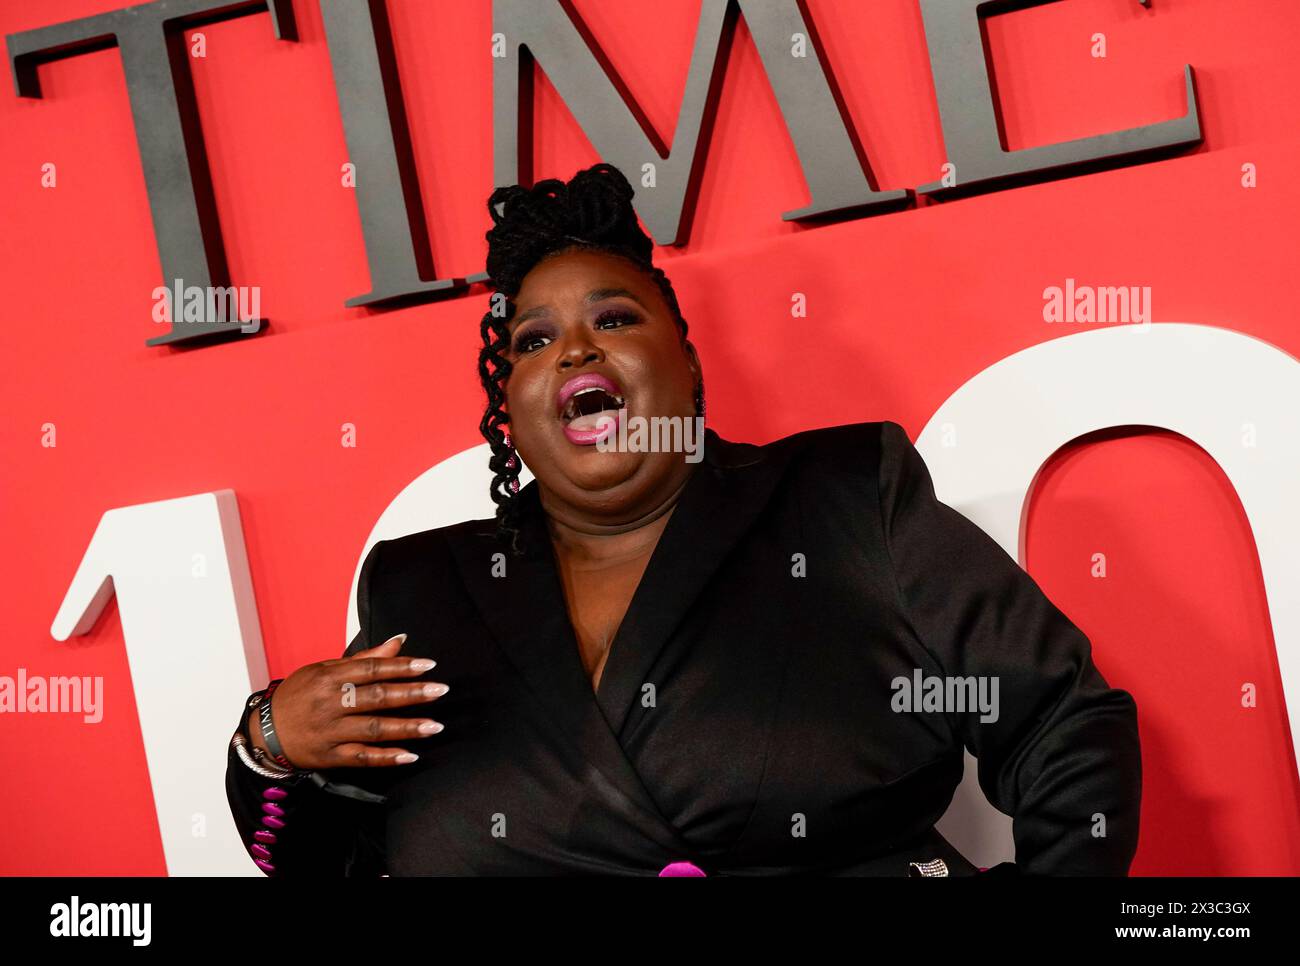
x: 322, y: 723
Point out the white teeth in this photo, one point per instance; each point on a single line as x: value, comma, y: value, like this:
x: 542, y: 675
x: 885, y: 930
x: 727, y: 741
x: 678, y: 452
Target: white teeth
x: 571, y: 407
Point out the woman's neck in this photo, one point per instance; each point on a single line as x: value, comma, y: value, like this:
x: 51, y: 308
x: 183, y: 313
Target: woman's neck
x: 588, y: 541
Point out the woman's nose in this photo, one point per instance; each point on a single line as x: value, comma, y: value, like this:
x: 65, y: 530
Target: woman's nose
x: 579, y: 353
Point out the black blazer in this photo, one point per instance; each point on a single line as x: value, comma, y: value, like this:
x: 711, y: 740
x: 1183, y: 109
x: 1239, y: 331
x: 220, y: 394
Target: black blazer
x: 745, y: 719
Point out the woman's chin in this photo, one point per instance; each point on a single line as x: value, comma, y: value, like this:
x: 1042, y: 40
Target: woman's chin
x: 589, y: 468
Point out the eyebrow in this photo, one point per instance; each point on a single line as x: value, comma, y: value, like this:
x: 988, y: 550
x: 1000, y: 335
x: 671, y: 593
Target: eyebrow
x: 592, y: 297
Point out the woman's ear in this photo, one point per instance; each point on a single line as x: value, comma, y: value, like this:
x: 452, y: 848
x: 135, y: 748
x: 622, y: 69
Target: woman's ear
x: 693, y: 360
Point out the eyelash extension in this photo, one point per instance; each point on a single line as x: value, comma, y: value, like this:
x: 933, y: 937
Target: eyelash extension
x: 608, y: 314
x: 528, y: 336
x: 522, y: 339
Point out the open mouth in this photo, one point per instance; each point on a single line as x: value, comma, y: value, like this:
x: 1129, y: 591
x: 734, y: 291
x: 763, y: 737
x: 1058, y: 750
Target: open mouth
x: 582, y: 412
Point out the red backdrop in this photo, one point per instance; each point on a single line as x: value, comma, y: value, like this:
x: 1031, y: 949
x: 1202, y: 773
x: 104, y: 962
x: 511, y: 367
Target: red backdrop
x: 902, y: 309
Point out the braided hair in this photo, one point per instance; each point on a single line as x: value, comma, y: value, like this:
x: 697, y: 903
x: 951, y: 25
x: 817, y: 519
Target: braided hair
x: 592, y: 211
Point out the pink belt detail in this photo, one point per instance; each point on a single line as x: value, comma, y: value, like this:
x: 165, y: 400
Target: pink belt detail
x: 681, y: 869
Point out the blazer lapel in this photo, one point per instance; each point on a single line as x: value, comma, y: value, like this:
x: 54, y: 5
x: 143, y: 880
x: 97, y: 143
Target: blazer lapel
x: 718, y: 505
x: 526, y: 612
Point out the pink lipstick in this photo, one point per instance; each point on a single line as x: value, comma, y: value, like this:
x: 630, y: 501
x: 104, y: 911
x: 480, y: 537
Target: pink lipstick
x: 590, y: 407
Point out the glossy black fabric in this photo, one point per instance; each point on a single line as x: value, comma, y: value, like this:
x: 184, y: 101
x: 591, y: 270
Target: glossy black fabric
x: 743, y: 721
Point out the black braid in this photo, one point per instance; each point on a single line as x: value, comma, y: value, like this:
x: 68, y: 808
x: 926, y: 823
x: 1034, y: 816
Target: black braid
x: 528, y: 225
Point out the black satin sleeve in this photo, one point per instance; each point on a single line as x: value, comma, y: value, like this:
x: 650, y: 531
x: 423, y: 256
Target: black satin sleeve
x: 324, y: 824
x: 1063, y: 757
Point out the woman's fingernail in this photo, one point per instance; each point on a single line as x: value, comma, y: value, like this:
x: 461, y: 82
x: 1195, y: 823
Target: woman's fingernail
x: 422, y: 664
x: 405, y: 758
x: 430, y: 727
x: 399, y: 638
x: 434, y: 690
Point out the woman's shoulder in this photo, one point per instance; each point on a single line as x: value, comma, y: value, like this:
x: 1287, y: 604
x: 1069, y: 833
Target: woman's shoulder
x: 844, y: 448
x: 822, y: 462
x: 842, y: 434
x: 424, y: 554
x: 822, y: 453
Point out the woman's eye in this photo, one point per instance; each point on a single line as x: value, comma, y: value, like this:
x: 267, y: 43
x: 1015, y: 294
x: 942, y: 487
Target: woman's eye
x: 617, y: 316
x: 528, y: 342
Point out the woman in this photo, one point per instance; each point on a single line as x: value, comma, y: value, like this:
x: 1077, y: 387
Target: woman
x: 652, y: 664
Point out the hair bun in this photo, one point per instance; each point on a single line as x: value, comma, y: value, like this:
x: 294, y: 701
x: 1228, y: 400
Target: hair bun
x: 593, y: 208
